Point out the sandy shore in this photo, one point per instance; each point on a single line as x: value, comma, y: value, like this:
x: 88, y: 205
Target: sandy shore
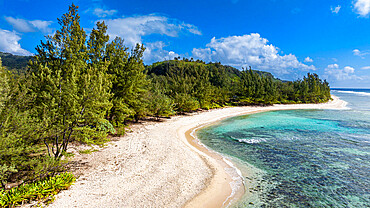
x: 161, y: 165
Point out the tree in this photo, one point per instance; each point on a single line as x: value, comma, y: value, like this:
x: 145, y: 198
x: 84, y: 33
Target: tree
x: 6, y: 167
x: 139, y: 83
x: 70, y: 85
x: 20, y: 156
x: 159, y: 103
x: 4, y: 86
x: 129, y: 82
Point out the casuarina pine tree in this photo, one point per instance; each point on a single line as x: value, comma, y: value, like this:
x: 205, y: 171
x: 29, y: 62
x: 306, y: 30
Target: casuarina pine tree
x: 70, y: 84
x: 129, y: 82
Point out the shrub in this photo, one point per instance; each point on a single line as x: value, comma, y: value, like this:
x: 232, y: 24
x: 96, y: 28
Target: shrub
x: 41, y: 190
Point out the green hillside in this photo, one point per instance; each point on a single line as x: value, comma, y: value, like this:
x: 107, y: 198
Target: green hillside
x: 14, y: 62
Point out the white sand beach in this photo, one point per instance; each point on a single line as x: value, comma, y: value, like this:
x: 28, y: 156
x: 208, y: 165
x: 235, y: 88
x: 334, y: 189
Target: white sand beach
x: 158, y: 164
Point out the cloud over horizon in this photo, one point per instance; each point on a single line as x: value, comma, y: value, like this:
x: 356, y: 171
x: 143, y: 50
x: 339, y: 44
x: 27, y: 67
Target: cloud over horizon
x: 250, y: 50
x: 9, y: 42
x: 333, y: 72
x: 154, y: 52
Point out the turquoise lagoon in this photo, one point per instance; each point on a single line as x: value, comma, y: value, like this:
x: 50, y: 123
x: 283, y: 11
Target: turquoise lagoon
x: 301, y: 158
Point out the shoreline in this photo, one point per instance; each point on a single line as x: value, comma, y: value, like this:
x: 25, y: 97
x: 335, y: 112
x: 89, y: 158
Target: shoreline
x: 209, y: 195
x: 155, y: 165
x: 223, y: 187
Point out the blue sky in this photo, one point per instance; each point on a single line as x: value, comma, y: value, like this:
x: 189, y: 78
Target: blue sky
x: 285, y: 37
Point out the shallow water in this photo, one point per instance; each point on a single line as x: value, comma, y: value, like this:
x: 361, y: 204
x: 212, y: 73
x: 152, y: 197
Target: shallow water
x: 304, y: 158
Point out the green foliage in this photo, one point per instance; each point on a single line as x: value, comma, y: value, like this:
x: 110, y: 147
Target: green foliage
x: 185, y: 103
x: 129, y: 82
x: 71, y: 84
x: 255, y: 89
x: 89, y: 135
x: 187, y: 84
x: 120, y: 130
x: 15, y: 63
x: 194, y: 84
x: 159, y: 104
x: 310, y: 89
x: 4, y: 86
x: 5, y: 172
x: 19, y: 149
x: 41, y: 190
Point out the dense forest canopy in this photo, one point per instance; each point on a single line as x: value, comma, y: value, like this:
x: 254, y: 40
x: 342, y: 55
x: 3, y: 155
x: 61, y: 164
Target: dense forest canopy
x: 15, y: 62
x: 213, y: 85
x: 82, y: 87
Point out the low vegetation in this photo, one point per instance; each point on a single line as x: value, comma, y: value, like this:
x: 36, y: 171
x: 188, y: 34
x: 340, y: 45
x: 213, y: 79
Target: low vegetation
x: 43, y: 190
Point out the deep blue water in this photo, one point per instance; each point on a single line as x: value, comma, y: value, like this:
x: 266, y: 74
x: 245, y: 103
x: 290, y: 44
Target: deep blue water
x: 302, y: 158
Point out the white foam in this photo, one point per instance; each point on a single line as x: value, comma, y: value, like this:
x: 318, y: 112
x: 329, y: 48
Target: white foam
x: 192, y: 134
x: 353, y: 92
x: 234, y: 184
x: 251, y: 141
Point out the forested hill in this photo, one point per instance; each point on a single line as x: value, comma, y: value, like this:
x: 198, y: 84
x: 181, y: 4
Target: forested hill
x: 163, y: 67
x: 14, y: 62
x: 194, y: 84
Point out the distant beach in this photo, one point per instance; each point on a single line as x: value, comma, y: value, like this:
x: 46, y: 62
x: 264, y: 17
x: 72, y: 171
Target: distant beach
x: 159, y: 164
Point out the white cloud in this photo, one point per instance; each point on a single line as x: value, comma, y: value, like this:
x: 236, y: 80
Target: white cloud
x: 359, y: 53
x: 333, y: 71
x: 362, y: 7
x: 365, y: 68
x: 41, y: 25
x: 356, y: 52
x: 249, y: 50
x: 335, y: 9
x: 308, y: 60
x: 132, y: 29
x: 349, y: 70
x: 9, y: 43
x: 104, y: 13
x: 22, y: 25
x: 191, y: 28
x: 154, y: 52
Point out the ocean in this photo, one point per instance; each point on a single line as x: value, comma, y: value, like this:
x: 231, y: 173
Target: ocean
x: 300, y: 158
